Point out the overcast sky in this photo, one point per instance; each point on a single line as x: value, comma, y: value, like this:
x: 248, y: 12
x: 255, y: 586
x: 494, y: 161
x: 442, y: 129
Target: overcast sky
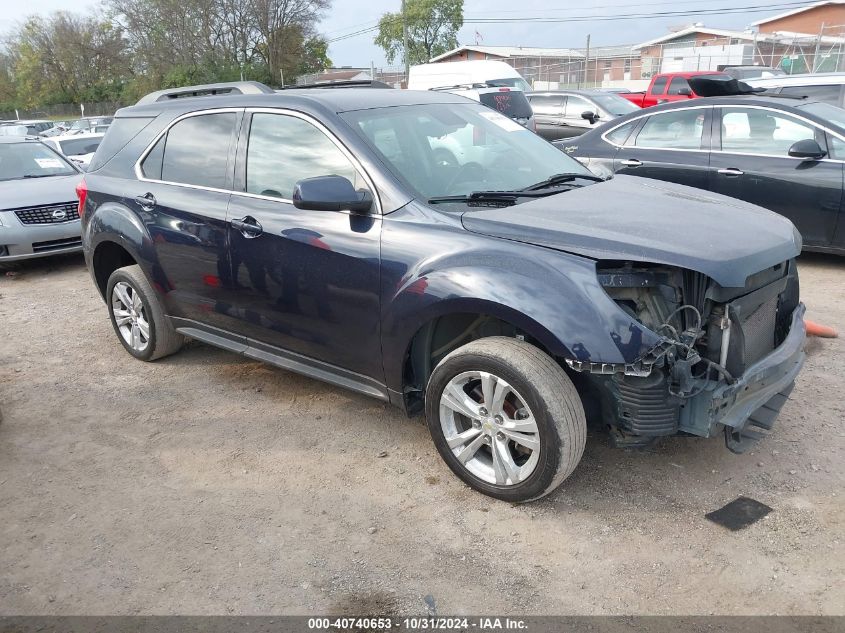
x: 352, y: 15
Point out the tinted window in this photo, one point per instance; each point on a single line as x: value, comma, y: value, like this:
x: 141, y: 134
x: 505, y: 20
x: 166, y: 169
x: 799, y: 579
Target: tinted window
x: 621, y: 134
x: 512, y: 103
x: 757, y: 131
x: 614, y: 104
x: 678, y: 130
x: 678, y: 84
x: 151, y: 167
x: 197, y: 149
x: 284, y: 149
x: 119, y: 134
x: 659, y: 86
x: 576, y: 105
x: 827, y: 94
x: 76, y: 146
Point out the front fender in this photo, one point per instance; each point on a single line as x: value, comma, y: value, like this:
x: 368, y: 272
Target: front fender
x: 553, y: 297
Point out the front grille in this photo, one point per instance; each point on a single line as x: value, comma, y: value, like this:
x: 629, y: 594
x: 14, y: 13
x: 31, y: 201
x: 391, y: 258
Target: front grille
x: 54, y: 245
x: 53, y: 214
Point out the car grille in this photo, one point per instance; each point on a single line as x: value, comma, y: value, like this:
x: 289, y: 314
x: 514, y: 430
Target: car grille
x: 53, y: 214
x: 54, y: 245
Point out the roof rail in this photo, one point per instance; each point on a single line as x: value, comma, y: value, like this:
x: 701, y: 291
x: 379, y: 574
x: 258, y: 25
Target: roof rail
x: 207, y: 90
x: 341, y: 83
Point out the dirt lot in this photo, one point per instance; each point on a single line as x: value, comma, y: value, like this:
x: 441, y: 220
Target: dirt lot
x: 211, y: 484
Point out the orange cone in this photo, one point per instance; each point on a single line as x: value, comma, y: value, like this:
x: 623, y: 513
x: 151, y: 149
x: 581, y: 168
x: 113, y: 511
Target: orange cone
x: 823, y: 331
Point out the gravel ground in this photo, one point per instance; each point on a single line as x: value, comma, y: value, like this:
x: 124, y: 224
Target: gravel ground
x: 207, y: 483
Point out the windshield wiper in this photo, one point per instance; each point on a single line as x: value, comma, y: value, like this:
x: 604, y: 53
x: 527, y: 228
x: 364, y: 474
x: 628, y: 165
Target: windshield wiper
x: 492, y: 198
x: 38, y: 175
x: 560, y: 179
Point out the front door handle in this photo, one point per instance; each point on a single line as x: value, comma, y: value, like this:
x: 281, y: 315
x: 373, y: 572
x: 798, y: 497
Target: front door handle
x: 248, y: 226
x: 632, y: 162
x: 147, y: 202
x: 731, y: 171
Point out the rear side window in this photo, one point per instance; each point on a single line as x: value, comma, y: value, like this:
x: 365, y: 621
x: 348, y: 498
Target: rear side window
x: 196, y: 150
x: 512, y: 103
x: 117, y: 136
x: 678, y: 84
x: 659, y: 86
x: 825, y: 94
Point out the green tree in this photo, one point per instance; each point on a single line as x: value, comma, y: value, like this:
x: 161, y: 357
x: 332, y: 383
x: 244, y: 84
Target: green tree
x: 432, y: 29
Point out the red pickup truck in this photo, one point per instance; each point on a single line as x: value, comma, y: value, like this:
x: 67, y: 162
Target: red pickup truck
x: 667, y: 87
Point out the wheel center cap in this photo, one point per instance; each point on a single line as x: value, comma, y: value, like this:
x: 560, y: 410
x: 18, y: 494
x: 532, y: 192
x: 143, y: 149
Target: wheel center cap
x: 488, y: 424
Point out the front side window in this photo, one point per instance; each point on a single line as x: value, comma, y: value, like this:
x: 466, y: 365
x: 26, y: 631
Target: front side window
x: 196, y: 150
x: 678, y: 129
x: 576, y: 105
x: 284, y: 149
x: 758, y: 131
x: 31, y: 160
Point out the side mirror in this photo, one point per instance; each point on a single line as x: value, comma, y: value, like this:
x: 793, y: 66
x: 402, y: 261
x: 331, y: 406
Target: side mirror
x: 686, y: 92
x: 330, y: 193
x: 590, y: 116
x: 808, y: 149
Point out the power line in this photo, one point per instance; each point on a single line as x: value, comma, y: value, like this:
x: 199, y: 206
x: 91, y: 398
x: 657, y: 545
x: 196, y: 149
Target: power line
x: 605, y: 18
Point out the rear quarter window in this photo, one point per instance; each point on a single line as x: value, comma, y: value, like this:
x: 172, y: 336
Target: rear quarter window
x: 120, y: 132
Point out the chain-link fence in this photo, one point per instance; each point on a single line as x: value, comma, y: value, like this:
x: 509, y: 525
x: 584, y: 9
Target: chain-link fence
x: 63, y: 111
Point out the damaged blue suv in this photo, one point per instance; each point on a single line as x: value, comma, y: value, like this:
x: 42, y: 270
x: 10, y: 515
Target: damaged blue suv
x: 423, y: 249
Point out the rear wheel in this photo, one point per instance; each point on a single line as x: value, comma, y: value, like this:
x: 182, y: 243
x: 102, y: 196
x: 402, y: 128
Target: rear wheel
x: 137, y: 317
x: 506, y: 418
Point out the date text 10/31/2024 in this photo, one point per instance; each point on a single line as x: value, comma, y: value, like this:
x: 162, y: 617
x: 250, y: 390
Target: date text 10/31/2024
x: 417, y: 624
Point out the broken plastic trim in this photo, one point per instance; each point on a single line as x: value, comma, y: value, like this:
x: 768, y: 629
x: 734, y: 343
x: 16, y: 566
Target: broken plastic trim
x: 641, y: 367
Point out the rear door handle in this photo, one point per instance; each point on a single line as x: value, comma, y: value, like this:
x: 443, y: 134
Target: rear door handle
x: 731, y: 171
x: 632, y: 162
x: 248, y: 226
x: 147, y: 202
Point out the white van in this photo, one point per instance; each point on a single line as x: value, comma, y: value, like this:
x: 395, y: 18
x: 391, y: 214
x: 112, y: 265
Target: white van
x: 482, y: 71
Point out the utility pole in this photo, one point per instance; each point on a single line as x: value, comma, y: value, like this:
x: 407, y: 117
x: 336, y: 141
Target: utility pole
x: 586, y: 64
x: 282, y: 76
x: 405, y: 41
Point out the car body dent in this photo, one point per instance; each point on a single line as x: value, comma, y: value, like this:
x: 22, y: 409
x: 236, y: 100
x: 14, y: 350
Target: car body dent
x: 499, y: 278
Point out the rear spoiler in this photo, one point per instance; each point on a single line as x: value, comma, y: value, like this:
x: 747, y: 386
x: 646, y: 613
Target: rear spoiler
x: 207, y: 90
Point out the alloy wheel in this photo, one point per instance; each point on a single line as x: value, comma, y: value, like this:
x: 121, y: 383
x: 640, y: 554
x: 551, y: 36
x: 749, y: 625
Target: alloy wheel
x: 130, y: 316
x: 490, y: 428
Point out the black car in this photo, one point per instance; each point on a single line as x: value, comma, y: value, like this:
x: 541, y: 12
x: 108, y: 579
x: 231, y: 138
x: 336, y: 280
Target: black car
x: 784, y: 154
x: 508, y: 297
x: 566, y: 113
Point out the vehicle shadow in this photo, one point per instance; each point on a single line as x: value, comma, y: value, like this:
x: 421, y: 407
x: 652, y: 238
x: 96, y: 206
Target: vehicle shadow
x: 43, y: 265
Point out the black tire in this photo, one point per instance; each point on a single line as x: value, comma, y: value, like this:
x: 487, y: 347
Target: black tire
x: 549, y: 394
x: 163, y: 339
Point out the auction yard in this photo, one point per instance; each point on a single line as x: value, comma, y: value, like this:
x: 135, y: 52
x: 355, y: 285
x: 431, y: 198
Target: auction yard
x: 207, y: 483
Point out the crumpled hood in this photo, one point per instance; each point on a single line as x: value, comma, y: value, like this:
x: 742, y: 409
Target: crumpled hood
x: 30, y: 192
x: 639, y: 219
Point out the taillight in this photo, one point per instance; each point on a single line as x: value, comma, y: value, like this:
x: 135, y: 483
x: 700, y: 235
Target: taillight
x: 82, y: 194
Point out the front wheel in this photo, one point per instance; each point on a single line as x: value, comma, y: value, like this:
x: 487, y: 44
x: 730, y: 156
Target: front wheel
x: 505, y: 418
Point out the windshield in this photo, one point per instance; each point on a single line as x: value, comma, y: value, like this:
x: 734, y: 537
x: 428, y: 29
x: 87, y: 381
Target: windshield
x: 614, y: 104
x: 511, y: 82
x: 831, y: 113
x: 77, y: 146
x: 31, y: 160
x: 456, y: 149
